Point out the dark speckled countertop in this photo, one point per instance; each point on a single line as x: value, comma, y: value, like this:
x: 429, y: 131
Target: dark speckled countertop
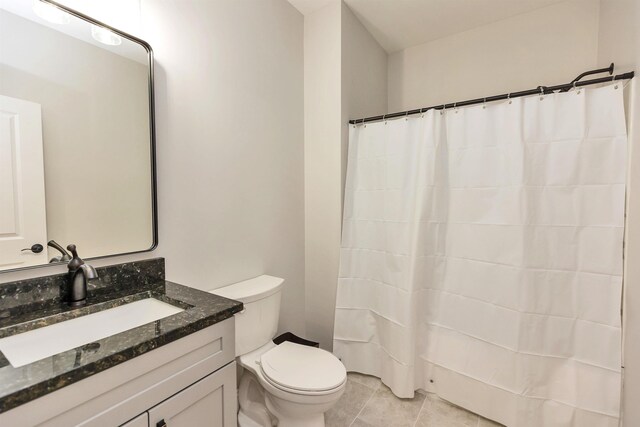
x: 35, y: 303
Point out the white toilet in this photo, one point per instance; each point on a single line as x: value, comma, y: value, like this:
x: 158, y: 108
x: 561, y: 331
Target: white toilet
x: 286, y: 385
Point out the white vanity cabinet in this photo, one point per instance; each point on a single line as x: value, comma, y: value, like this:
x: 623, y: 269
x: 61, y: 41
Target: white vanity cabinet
x: 141, y: 420
x: 209, y: 402
x: 189, y: 382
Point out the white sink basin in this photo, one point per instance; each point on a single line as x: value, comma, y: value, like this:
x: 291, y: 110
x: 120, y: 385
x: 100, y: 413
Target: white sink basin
x: 31, y: 346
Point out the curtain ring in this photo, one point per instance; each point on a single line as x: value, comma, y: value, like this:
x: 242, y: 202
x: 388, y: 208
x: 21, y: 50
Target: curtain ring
x: 541, y: 93
x: 444, y: 109
x: 484, y: 103
x: 363, y: 123
x: 406, y: 116
x: 509, y: 98
x: 613, y: 78
x: 455, y: 107
x: 576, y: 88
x: 384, y: 118
x: 421, y: 113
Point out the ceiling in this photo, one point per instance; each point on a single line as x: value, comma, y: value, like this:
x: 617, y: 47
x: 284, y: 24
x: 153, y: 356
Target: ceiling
x: 309, y: 6
x: 399, y: 24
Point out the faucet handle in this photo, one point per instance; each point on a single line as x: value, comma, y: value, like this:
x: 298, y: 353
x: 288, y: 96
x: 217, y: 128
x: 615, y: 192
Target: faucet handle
x: 72, y: 248
x: 76, y: 261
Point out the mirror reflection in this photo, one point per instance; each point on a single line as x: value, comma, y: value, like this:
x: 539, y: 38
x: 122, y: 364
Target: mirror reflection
x: 75, y: 138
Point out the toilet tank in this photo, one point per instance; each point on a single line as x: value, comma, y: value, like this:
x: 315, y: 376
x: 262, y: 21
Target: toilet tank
x: 257, y: 323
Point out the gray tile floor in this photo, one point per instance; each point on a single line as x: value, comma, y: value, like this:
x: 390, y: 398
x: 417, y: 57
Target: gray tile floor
x: 367, y: 402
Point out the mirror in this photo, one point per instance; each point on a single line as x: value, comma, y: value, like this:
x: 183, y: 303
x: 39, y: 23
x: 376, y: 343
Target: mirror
x: 76, y: 137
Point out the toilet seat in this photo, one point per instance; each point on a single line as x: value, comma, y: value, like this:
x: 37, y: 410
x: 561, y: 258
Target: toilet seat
x: 302, y: 370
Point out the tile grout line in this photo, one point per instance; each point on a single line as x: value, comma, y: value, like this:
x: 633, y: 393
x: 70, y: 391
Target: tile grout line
x: 366, y: 403
x: 420, y: 411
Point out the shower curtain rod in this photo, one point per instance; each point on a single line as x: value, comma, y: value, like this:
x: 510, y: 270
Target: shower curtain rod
x: 543, y: 90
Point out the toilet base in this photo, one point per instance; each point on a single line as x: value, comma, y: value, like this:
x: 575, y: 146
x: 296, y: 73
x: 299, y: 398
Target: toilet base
x: 259, y: 408
x: 253, y: 410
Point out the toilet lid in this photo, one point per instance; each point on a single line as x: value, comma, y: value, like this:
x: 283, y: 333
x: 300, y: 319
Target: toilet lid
x: 303, y: 368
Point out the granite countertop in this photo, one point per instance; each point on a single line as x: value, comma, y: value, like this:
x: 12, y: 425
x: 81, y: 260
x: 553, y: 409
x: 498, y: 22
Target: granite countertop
x: 35, y: 303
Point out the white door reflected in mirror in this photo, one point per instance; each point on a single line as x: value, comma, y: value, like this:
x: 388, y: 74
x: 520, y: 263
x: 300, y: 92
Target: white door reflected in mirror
x: 23, y: 218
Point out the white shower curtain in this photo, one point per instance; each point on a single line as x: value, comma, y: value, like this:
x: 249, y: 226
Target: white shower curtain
x: 482, y: 257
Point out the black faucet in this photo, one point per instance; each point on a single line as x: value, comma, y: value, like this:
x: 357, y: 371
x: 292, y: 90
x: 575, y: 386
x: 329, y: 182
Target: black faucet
x: 64, y: 257
x: 79, y: 273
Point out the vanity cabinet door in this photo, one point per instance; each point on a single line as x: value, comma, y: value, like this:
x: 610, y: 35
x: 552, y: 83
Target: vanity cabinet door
x: 141, y: 420
x: 210, y: 402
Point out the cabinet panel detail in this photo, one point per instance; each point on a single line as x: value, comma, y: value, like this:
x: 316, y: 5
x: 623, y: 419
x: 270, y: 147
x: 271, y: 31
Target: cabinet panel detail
x: 211, y: 402
x: 141, y: 420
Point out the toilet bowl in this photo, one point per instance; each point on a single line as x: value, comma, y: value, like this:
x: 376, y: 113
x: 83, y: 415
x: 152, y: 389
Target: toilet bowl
x: 299, y: 383
x: 282, y: 385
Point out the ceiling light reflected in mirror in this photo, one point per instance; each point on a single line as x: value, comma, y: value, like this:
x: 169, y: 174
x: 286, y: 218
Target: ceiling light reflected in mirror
x: 106, y: 36
x: 50, y: 13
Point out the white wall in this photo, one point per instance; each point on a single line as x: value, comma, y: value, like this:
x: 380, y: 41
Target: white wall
x: 104, y: 206
x: 230, y: 143
x: 345, y: 76
x: 550, y: 45
x: 322, y: 166
x: 229, y: 111
x: 619, y: 41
